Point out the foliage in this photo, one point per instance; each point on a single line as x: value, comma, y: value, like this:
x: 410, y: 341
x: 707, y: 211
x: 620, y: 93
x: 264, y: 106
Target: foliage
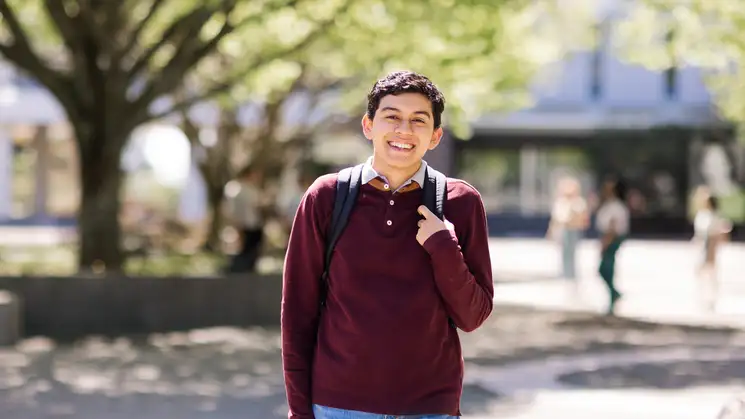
x: 482, y: 54
x: 112, y: 65
x: 60, y: 261
x: 707, y: 34
x: 115, y: 65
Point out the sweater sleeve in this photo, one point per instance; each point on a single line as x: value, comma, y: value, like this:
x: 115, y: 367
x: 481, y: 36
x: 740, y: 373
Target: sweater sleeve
x: 304, y: 264
x: 463, y: 271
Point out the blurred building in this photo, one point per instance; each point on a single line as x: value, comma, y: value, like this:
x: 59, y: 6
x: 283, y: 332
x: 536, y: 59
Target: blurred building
x: 597, y: 117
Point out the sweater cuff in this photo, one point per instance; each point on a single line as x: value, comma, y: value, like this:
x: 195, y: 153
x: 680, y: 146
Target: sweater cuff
x: 441, y: 241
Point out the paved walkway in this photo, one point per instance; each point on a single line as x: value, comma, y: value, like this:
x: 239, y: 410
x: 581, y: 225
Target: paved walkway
x: 614, y: 385
x: 542, y: 354
x: 656, y: 278
x: 521, y: 364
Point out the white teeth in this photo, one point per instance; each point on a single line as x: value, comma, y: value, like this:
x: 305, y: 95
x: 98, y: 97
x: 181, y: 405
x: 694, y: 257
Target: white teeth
x: 401, y: 145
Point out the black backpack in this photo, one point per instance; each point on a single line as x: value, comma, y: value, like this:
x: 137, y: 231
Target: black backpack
x: 434, y: 194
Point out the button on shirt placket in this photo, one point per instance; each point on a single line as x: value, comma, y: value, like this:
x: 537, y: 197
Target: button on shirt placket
x: 389, y: 220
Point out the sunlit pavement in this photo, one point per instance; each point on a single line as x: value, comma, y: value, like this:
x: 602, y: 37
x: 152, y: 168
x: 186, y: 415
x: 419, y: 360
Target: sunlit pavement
x: 521, y: 364
x: 656, y: 278
x: 654, y: 383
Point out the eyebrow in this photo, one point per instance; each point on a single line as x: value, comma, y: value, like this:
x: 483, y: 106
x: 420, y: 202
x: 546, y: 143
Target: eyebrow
x: 390, y: 108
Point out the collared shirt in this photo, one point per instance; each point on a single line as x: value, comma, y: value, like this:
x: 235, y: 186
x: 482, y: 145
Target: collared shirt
x: 368, y: 174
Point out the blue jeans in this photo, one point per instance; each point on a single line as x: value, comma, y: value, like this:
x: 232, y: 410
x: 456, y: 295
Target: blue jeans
x: 570, y: 238
x: 323, y: 412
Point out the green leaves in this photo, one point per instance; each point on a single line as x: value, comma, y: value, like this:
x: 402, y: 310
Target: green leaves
x: 709, y: 34
x: 482, y: 53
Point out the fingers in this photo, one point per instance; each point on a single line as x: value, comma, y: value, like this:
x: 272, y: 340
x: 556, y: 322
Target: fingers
x: 419, y: 223
x: 425, y: 212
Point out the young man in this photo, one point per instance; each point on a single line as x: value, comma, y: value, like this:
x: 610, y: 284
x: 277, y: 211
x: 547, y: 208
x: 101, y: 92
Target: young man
x: 382, y: 345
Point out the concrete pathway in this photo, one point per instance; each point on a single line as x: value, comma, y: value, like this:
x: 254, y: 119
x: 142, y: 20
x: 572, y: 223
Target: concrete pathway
x: 656, y: 277
x: 535, y: 389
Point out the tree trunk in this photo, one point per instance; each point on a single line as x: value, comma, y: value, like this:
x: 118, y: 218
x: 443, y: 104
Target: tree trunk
x: 215, y: 199
x: 217, y: 170
x: 99, y: 229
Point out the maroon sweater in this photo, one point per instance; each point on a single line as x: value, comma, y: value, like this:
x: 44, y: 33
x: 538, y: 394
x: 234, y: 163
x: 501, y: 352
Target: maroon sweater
x: 382, y: 343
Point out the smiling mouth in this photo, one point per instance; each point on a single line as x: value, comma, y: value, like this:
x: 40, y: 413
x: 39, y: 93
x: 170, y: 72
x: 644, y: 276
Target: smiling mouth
x: 401, y: 146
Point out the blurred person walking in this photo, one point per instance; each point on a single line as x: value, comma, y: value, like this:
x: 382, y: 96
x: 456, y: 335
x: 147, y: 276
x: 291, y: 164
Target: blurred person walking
x: 246, y: 216
x: 569, y: 220
x: 710, y: 231
x: 292, y: 202
x: 612, y: 222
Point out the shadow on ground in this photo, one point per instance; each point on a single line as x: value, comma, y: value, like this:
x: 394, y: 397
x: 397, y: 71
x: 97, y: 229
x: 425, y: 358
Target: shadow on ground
x: 224, y: 373
x: 667, y: 375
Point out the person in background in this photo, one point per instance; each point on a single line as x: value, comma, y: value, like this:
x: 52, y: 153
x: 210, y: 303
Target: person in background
x: 246, y: 208
x: 612, y: 223
x: 710, y: 230
x: 569, y: 220
x: 304, y: 180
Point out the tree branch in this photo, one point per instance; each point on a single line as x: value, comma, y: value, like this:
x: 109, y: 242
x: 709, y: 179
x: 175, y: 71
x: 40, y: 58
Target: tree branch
x: 101, y: 20
x: 187, y: 55
x: 134, y: 37
x: 21, y: 53
x: 231, y: 80
x: 71, y: 30
x: 186, y: 27
x: 19, y: 36
x: 65, y: 25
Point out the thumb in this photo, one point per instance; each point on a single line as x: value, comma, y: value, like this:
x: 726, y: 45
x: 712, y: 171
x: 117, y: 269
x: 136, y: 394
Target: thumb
x: 425, y: 212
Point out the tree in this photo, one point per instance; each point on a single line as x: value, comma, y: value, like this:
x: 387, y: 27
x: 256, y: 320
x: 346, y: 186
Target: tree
x: 707, y: 34
x: 484, y: 59
x: 234, y: 146
x: 110, y: 64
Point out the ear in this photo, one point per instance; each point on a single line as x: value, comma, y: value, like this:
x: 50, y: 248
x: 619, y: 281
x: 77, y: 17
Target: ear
x: 436, y: 138
x: 367, y: 127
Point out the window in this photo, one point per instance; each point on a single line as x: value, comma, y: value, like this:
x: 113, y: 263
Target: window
x: 496, y: 174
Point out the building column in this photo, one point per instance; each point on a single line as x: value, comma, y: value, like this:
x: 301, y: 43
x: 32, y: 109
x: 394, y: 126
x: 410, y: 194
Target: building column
x: 41, y: 172
x: 6, y: 175
x: 528, y: 180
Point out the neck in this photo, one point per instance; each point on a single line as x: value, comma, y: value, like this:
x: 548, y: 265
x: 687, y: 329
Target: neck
x: 396, y: 175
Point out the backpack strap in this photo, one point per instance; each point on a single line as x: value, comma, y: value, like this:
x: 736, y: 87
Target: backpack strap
x: 435, y: 191
x: 347, y: 188
x: 434, y: 194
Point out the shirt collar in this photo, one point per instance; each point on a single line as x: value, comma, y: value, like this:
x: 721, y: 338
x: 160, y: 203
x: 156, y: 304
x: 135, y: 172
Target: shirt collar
x: 368, y: 174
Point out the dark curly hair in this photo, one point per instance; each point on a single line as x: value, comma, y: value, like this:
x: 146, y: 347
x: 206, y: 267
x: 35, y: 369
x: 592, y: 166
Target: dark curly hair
x: 406, y: 82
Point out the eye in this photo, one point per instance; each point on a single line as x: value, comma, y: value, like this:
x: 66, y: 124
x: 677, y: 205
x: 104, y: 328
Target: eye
x: 419, y: 121
x: 392, y: 117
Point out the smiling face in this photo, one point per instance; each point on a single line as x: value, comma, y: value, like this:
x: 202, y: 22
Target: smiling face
x: 402, y: 130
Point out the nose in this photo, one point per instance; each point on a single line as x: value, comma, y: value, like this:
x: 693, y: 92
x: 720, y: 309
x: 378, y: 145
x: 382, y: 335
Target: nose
x: 403, y: 127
